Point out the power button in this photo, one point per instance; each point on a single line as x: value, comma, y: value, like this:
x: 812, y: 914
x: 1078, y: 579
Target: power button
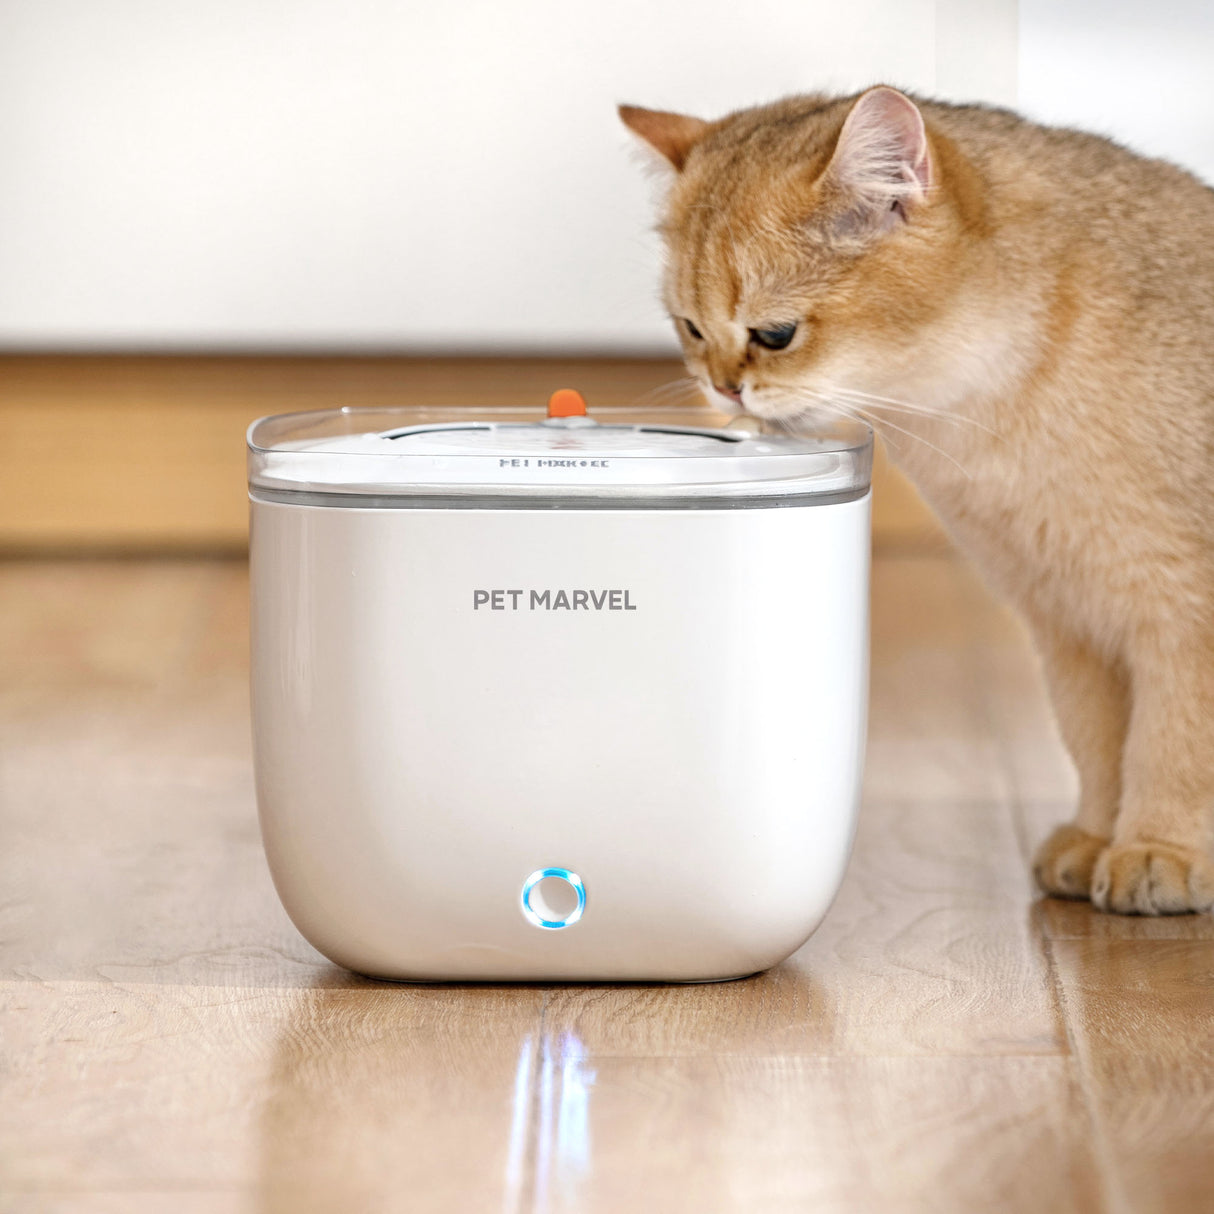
x: 553, y: 898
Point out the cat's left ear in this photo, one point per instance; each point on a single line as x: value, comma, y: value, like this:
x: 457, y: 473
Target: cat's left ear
x: 671, y: 135
x: 882, y: 162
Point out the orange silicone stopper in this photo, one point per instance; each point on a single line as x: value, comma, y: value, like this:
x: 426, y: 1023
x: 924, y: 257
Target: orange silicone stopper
x: 566, y: 402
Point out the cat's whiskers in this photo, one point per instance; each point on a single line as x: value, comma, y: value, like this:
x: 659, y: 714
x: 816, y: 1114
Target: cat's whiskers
x: 872, y: 400
x: 669, y: 393
x: 672, y: 391
x: 822, y: 400
x: 807, y: 414
x: 879, y: 423
x: 913, y: 410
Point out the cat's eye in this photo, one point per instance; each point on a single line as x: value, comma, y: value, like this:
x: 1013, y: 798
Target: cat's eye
x: 692, y: 329
x: 775, y: 338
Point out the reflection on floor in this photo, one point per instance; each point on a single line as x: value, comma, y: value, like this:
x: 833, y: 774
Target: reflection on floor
x: 549, y: 1158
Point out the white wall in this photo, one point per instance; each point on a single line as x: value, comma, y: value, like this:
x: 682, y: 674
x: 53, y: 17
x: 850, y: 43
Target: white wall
x: 1142, y: 73
x: 383, y: 173
x: 391, y: 173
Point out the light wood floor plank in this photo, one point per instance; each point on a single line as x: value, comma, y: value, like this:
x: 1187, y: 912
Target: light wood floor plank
x: 947, y: 1041
x: 836, y: 1136
x: 140, y: 1201
x: 1142, y: 1014
x: 329, y: 1098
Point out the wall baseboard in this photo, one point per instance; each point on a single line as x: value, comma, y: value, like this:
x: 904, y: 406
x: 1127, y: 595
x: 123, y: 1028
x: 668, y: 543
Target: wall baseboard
x: 145, y: 453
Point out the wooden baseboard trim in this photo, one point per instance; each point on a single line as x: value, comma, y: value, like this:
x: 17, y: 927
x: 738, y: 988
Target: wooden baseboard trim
x: 144, y: 454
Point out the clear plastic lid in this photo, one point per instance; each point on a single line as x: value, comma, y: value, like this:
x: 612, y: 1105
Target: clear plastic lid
x: 632, y: 456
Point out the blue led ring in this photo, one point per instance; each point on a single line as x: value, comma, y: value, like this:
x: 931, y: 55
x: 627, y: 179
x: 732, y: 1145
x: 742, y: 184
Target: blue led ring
x: 570, y: 878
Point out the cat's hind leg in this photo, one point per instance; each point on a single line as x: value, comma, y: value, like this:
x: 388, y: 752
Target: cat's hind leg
x: 1160, y: 862
x: 1091, y: 703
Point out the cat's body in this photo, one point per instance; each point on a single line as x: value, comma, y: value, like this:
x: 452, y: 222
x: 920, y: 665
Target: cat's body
x: 1043, y: 301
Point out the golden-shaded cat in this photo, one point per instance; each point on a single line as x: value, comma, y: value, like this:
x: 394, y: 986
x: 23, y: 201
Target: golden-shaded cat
x: 1036, y: 306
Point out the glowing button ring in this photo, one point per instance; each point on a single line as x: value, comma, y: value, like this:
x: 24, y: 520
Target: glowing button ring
x: 549, y: 918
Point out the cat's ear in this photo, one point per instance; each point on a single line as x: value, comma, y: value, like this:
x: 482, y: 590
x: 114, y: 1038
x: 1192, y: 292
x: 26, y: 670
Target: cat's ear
x: 882, y: 164
x: 670, y: 135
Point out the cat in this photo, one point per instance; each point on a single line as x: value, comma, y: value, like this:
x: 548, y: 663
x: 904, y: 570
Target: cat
x: 1028, y: 314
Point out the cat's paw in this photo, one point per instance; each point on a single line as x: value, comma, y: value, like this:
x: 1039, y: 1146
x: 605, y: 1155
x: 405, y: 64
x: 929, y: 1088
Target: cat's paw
x: 1153, y: 879
x: 1065, y: 862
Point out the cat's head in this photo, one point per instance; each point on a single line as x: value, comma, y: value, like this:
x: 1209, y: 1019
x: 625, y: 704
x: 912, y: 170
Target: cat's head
x: 808, y: 247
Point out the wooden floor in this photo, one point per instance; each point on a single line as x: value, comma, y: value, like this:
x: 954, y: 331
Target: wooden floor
x: 946, y: 1042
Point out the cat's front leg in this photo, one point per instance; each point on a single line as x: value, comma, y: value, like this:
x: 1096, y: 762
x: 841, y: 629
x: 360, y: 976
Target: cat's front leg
x: 1091, y: 703
x: 1159, y: 862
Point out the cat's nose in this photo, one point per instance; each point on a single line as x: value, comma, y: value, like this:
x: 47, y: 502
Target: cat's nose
x: 733, y: 391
